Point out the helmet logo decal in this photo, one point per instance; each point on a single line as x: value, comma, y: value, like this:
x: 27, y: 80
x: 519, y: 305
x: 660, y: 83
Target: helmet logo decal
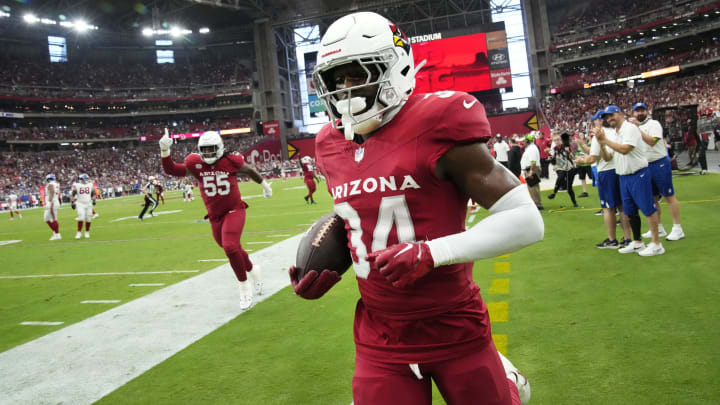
x: 399, y: 38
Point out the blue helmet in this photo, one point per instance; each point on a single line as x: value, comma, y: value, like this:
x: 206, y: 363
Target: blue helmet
x: 84, y: 176
x: 50, y: 177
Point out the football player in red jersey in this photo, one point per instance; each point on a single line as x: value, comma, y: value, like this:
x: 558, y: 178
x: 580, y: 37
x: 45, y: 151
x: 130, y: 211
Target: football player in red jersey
x: 401, y: 168
x: 310, y: 177
x: 217, y: 173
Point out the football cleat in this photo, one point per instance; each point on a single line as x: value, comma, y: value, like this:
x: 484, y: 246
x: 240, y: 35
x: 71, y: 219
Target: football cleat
x: 256, y: 277
x: 95, y: 215
x: 56, y: 236
x: 78, y: 235
x: 246, y: 295
x: 520, y: 381
x: 87, y: 235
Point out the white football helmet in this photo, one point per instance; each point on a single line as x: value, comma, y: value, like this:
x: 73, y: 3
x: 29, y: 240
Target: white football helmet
x: 376, y: 45
x: 210, y: 146
x: 306, y: 160
x: 151, y: 179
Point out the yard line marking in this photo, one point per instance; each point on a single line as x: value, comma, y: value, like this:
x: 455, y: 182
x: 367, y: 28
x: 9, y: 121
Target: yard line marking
x: 146, y: 285
x: 471, y: 218
x: 259, y: 243
x: 100, y: 302
x: 213, y: 260
x: 100, y: 274
x: 498, y: 311
x: 33, y: 323
x: 7, y: 242
x: 501, y: 342
x: 500, y: 286
x: 133, y: 337
x: 295, y: 188
x: 245, y: 197
x: 154, y: 213
x: 501, y: 267
x: 278, y: 236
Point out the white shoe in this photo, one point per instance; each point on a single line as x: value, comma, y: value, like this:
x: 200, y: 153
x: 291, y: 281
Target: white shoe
x: 652, y: 250
x: 676, y: 234
x: 95, y: 215
x: 12, y: 219
x: 87, y: 235
x: 56, y: 236
x: 78, y: 235
x: 246, y: 295
x: 256, y: 277
x: 661, y: 233
x: 20, y: 215
x: 632, y: 247
x: 521, y: 382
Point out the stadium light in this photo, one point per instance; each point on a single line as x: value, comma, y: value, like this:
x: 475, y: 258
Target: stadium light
x: 67, y: 24
x: 204, y: 30
x: 174, y: 32
x: 4, y: 14
x: 147, y: 32
x: 81, y: 26
x: 48, y: 21
x: 30, y: 18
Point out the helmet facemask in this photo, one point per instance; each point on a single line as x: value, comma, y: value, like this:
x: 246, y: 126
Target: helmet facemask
x: 359, y: 108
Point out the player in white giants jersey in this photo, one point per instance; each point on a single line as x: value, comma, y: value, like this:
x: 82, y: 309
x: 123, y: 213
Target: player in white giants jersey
x: 83, y: 198
x: 52, y: 203
x: 188, y: 191
x: 12, y: 199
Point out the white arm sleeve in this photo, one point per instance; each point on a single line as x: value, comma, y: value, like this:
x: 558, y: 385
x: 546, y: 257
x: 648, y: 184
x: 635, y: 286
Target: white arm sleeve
x: 515, y: 223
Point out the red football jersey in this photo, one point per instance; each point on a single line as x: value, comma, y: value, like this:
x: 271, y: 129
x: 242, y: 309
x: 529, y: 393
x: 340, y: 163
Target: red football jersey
x: 218, y: 182
x: 387, y: 192
x: 308, y: 171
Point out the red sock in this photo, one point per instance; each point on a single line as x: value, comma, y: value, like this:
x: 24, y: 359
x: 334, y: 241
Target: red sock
x: 11, y: 214
x: 79, y: 226
x: 87, y: 226
x: 57, y: 226
x: 94, y: 211
x: 50, y: 224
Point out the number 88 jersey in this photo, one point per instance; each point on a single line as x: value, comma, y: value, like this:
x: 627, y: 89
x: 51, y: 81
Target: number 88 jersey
x: 218, y: 182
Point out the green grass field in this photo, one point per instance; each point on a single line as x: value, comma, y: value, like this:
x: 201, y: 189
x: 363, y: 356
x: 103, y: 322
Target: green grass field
x: 585, y: 325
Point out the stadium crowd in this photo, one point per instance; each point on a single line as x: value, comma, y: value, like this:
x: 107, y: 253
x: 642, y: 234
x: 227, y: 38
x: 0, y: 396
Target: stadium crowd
x: 628, y: 66
x: 129, y: 130
x: 587, y: 20
x: 119, y: 75
x: 571, y: 111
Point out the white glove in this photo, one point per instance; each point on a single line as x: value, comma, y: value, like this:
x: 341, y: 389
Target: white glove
x: 267, y: 191
x: 165, y: 144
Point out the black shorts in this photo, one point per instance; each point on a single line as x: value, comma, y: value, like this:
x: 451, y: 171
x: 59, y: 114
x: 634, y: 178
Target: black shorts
x: 584, y: 171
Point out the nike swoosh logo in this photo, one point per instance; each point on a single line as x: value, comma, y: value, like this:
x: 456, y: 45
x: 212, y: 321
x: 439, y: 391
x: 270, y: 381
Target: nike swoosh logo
x: 405, y: 249
x: 642, y: 175
x: 662, y: 165
x: 468, y: 105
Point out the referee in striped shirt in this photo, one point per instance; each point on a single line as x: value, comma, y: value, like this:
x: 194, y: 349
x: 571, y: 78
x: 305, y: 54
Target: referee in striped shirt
x: 150, y: 202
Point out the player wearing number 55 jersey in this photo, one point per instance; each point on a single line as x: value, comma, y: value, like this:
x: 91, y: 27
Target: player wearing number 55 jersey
x: 401, y: 177
x: 217, y: 172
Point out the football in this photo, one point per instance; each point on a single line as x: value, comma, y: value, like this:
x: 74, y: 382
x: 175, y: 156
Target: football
x: 324, y: 246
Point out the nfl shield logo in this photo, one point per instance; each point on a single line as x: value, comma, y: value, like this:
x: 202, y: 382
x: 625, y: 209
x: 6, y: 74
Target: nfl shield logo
x: 198, y: 166
x: 359, y: 154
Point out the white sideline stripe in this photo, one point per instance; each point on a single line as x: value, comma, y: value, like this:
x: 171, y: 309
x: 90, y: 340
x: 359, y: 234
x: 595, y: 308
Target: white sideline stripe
x: 278, y: 236
x: 213, y: 260
x: 122, y: 343
x: 146, y: 285
x: 100, y: 302
x: 8, y: 242
x: 295, y: 188
x: 33, y: 323
x: 259, y: 243
x: 101, y: 274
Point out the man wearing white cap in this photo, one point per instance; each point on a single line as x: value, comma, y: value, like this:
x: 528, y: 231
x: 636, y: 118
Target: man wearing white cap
x: 501, y: 150
x: 660, y: 169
